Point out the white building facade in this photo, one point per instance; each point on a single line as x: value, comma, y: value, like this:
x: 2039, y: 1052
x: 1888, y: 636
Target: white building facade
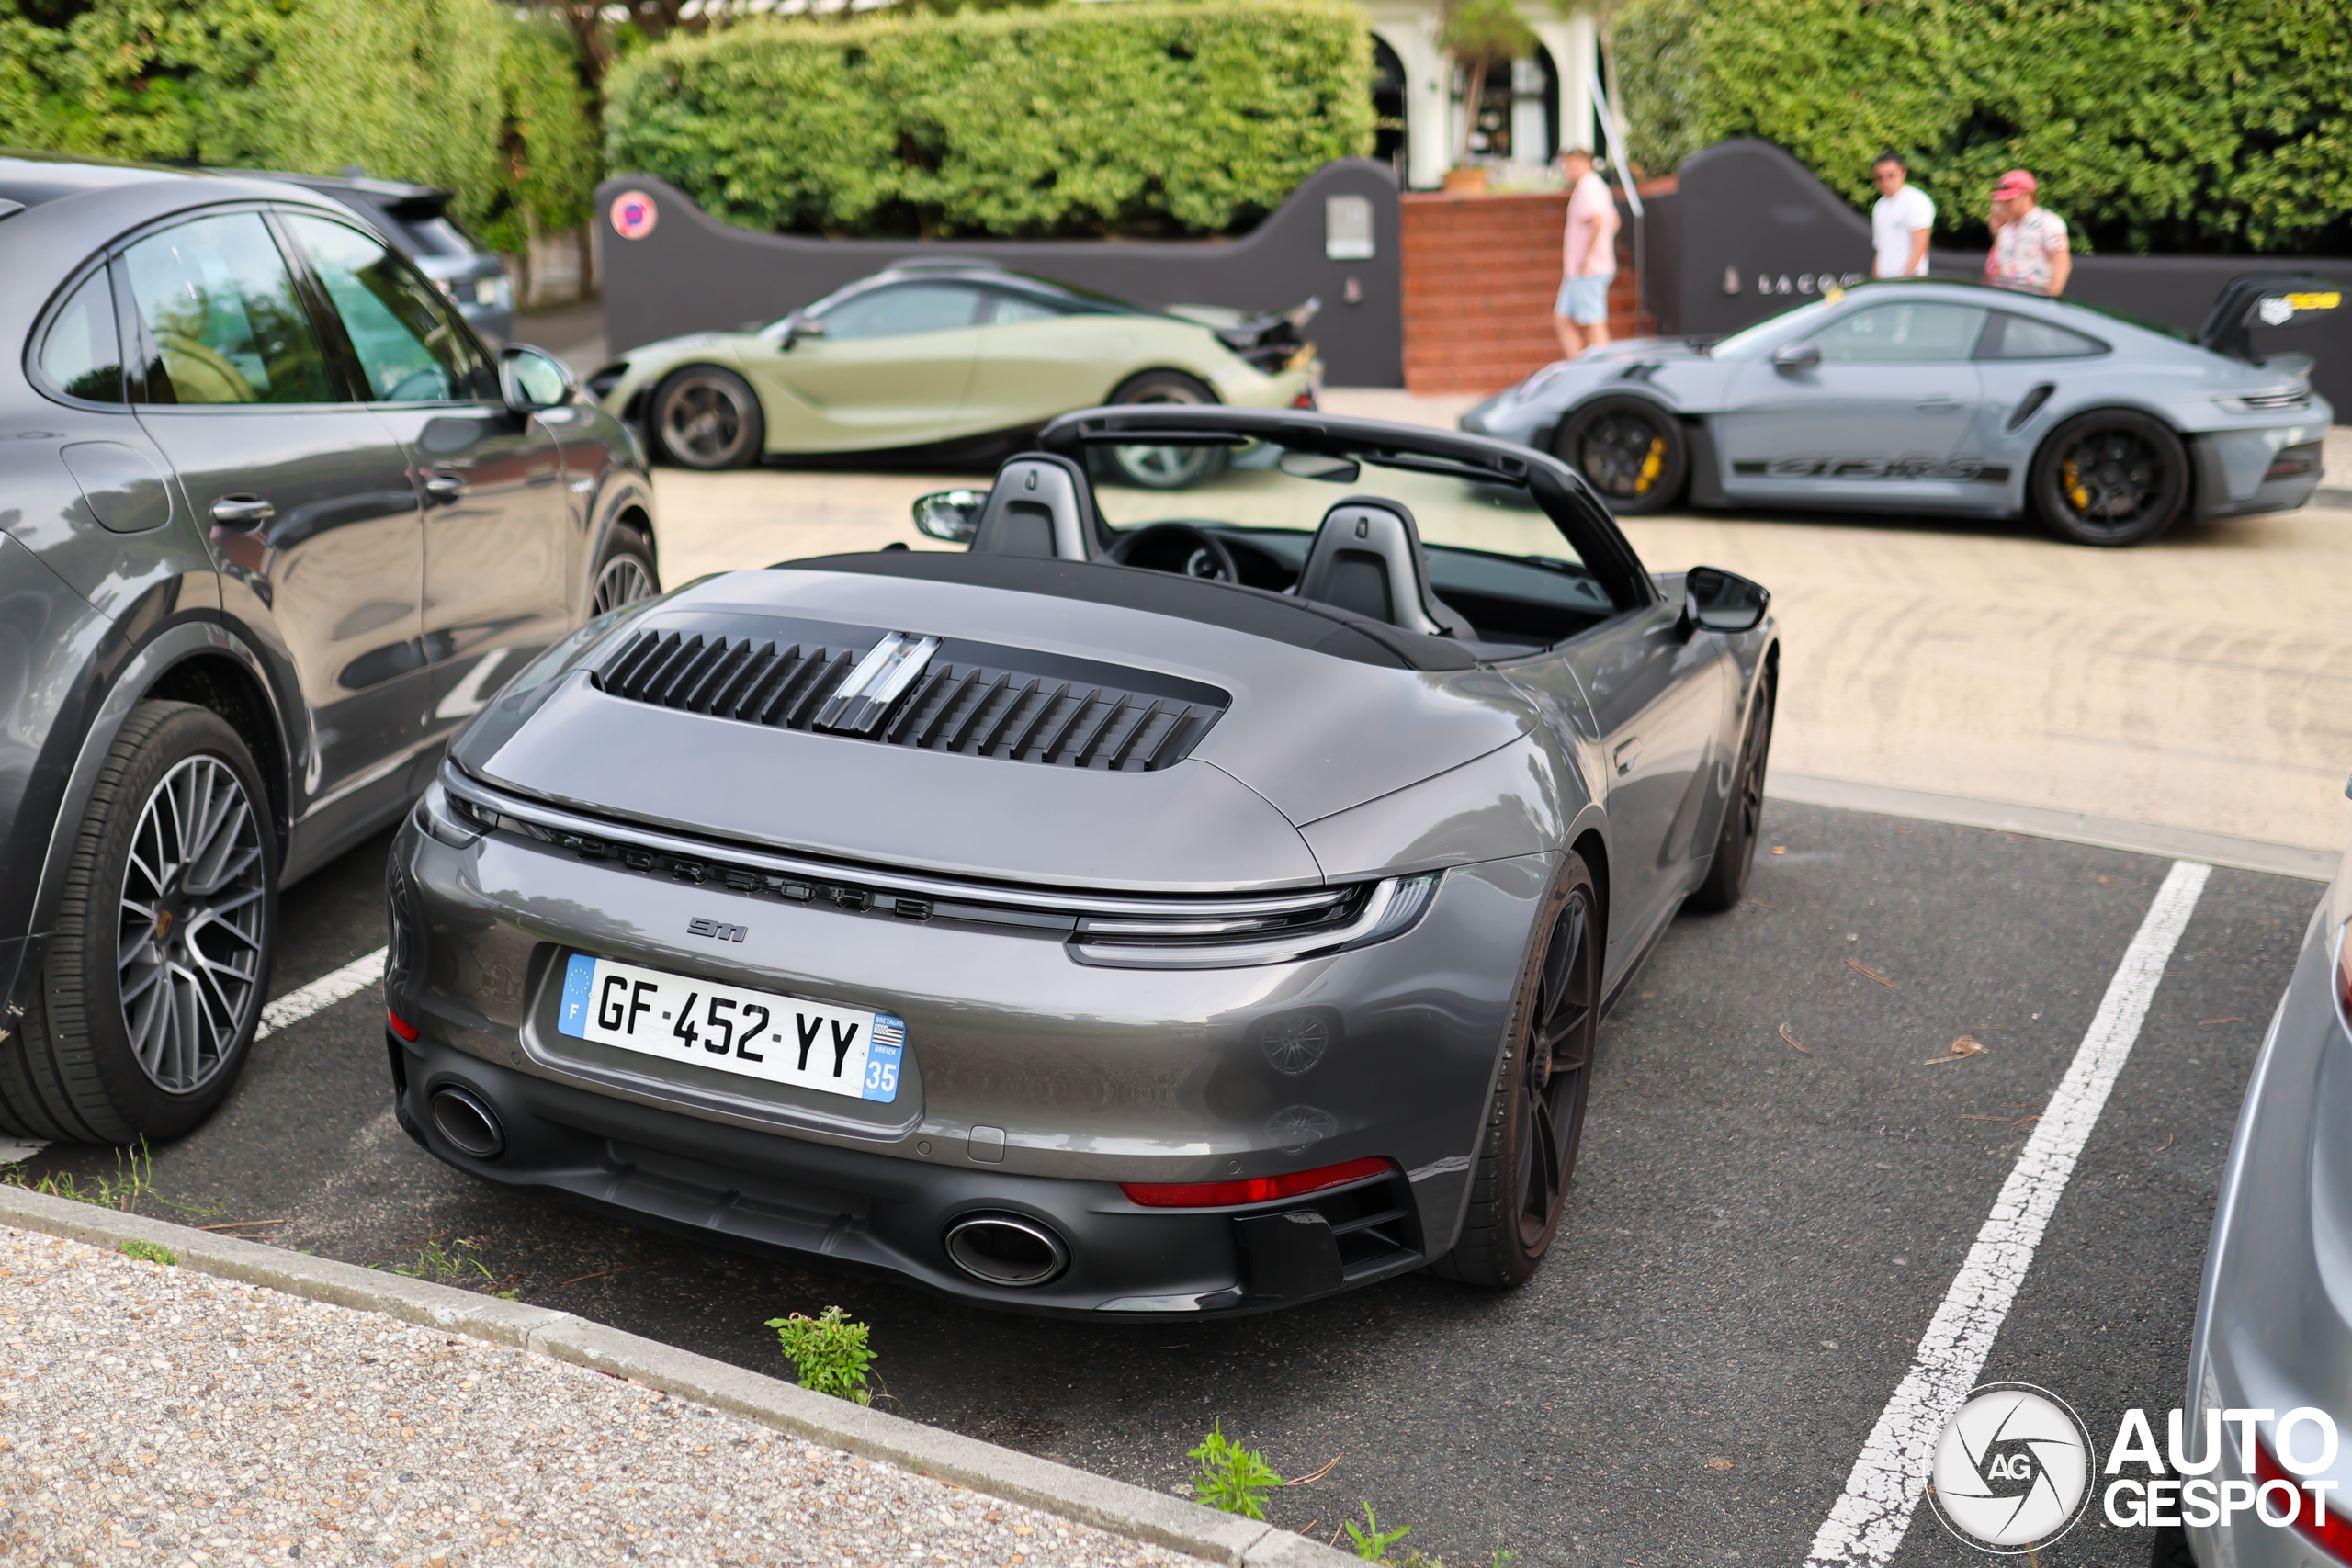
x: 1550, y: 100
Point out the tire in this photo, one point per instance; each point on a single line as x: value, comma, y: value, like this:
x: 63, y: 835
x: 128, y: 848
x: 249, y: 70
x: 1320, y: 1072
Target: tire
x: 2112, y: 477
x: 1630, y: 450
x: 1164, y: 468
x: 1527, y: 1151
x: 177, y: 826
x: 704, y: 417
x: 1735, y: 856
x: 624, y: 572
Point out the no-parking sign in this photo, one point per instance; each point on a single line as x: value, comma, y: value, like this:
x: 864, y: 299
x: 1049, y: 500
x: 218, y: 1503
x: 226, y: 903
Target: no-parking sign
x: 633, y: 214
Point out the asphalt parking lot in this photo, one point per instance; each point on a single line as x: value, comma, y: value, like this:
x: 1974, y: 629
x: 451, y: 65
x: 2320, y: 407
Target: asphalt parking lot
x: 1776, y: 1190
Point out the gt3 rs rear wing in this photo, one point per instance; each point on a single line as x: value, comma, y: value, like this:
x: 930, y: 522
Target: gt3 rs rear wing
x: 2263, y: 299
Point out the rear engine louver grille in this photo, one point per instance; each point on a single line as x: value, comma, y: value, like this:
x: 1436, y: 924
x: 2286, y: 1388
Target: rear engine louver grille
x: 972, y: 708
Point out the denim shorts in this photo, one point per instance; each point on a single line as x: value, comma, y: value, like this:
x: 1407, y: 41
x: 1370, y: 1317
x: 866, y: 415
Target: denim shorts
x: 1584, y: 301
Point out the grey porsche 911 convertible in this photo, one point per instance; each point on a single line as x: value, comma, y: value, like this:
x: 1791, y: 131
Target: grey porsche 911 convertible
x: 1175, y: 903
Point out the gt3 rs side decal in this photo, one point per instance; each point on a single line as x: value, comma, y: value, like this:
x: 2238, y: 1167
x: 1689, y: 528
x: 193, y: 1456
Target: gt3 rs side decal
x: 1965, y: 469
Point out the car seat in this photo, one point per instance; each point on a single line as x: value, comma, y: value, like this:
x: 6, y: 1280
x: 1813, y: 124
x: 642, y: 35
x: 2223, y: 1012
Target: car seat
x: 1039, y: 506
x: 1367, y: 557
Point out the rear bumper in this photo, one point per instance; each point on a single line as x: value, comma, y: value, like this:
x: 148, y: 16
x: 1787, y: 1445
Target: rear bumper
x: 876, y: 1214
x: 2246, y: 472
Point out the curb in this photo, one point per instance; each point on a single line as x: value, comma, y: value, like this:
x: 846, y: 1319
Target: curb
x: 2328, y: 496
x: 2070, y: 827
x: 1115, y: 1507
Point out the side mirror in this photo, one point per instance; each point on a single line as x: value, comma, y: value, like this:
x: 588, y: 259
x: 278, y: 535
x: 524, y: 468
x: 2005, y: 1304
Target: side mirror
x: 1718, y: 600
x: 797, y: 327
x: 532, y: 379
x: 951, y: 514
x: 1797, y: 357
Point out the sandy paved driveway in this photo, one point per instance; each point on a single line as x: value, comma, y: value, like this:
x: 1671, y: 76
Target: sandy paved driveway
x: 2202, y: 681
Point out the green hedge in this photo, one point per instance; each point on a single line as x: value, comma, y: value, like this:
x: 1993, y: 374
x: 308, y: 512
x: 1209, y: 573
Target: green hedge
x: 2154, y: 125
x: 1152, y: 115
x: 455, y: 93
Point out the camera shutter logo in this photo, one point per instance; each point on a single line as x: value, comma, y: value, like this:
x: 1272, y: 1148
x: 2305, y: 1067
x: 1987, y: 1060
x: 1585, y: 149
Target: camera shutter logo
x: 2012, y: 1468
x: 634, y: 215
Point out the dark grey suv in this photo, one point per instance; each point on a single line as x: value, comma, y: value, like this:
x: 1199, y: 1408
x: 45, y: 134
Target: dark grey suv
x: 272, y: 523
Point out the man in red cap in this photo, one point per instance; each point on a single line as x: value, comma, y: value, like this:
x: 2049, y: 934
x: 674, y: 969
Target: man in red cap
x: 2029, y: 242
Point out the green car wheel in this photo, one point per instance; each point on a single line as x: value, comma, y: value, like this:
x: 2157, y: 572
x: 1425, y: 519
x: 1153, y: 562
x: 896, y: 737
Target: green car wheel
x: 1165, y: 468
x: 705, y: 417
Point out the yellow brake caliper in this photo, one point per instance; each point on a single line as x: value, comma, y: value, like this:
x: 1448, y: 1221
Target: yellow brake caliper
x: 1651, y: 464
x: 2074, y: 486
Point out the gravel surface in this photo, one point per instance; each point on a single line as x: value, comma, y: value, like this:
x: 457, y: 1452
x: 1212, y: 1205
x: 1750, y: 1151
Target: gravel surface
x: 150, y: 1415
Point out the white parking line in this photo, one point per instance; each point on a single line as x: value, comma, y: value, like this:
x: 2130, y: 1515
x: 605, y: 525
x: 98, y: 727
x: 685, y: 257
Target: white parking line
x: 323, y: 992
x: 1869, y: 1519
x: 284, y: 1013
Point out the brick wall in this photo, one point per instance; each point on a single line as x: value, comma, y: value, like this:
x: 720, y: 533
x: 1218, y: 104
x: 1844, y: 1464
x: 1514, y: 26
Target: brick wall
x: 1481, y: 273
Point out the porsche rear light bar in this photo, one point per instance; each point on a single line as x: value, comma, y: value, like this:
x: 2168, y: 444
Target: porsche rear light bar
x: 2331, y: 1533
x: 1254, y: 1190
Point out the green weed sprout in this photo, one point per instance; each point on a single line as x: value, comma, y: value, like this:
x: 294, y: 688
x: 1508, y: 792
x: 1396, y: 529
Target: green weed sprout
x: 150, y: 1251
x: 830, y: 1352
x: 1231, y: 1477
x: 1373, y: 1543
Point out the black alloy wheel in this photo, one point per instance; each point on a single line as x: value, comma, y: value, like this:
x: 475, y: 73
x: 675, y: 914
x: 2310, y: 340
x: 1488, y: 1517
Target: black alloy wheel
x: 1630, y: 450
x: 151, y: 989
x: 705, y: 417
x: 1735, y: 855
x: 2113, y: 478
x: 1528, y: 1152
x: 1164, y: 468
x: 624, y: 574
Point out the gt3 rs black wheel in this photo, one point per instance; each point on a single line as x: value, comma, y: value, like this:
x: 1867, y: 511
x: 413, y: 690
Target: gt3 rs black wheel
x: 2112, y: 477
x: 1164, y: 468
x: 705, y: 417
x: 1735, y: 856
x: 1630, y: 450
x: 1528, y: 1150
x: 152, y: 986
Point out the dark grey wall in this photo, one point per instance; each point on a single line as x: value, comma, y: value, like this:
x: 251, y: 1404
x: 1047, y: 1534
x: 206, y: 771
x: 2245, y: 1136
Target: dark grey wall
x: 693, y: 272
x: 1755, y: 232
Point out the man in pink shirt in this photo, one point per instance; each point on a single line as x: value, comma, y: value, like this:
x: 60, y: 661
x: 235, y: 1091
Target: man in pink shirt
x: 2029, y: 250
x: 1588, y: 257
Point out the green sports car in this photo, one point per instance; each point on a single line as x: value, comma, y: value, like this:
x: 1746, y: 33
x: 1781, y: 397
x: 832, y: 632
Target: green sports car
x: 923, y: 356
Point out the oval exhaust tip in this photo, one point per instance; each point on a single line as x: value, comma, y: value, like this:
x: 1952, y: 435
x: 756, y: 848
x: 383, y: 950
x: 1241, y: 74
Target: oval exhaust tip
x: 1007, y: 1250
x: 467, y: 1123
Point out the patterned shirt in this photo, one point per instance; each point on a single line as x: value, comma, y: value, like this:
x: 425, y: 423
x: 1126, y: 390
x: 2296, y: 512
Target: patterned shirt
x: 2026, y: 250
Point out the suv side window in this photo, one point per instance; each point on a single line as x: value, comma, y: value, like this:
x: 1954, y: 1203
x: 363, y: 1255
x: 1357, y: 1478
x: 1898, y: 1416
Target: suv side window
x: 222, y: 322
x: 903, y: 310
x: 82, y: 355
x: 1925, y: 331
x: 409, y: 348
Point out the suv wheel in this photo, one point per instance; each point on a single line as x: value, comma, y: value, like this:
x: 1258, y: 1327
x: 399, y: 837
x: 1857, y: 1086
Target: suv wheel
x: 624, y: 572
x: 153, y: 982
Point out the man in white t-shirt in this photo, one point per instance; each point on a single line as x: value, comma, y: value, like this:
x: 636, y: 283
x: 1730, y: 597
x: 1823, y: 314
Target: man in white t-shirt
x: 1900, y: 222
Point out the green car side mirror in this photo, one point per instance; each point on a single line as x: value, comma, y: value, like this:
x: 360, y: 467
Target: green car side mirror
x: 798, y: 328
x: 951, y: 514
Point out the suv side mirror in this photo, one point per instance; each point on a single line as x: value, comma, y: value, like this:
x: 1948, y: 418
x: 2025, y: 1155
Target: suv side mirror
x: 951, y: 514
x: 1718, y: 600
x: 1797, y: 357
x: 532, y: 379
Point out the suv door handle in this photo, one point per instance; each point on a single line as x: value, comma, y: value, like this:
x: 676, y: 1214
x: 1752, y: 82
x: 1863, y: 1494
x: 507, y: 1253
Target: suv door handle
x: 442, y: 489
x: 241, y: 512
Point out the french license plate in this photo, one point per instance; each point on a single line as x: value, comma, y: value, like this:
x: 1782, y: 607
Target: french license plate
x: 756, y: 1034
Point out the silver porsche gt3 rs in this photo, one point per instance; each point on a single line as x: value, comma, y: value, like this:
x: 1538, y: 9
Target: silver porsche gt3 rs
x: 1918, y: 396
x: 1175, y: 903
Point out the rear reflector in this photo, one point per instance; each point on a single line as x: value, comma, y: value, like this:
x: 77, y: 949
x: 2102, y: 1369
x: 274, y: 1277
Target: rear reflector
x: 400, y: 1025
x: 2334, y: 1536
x: 2287, y: 465
x: 1256, y: 1189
